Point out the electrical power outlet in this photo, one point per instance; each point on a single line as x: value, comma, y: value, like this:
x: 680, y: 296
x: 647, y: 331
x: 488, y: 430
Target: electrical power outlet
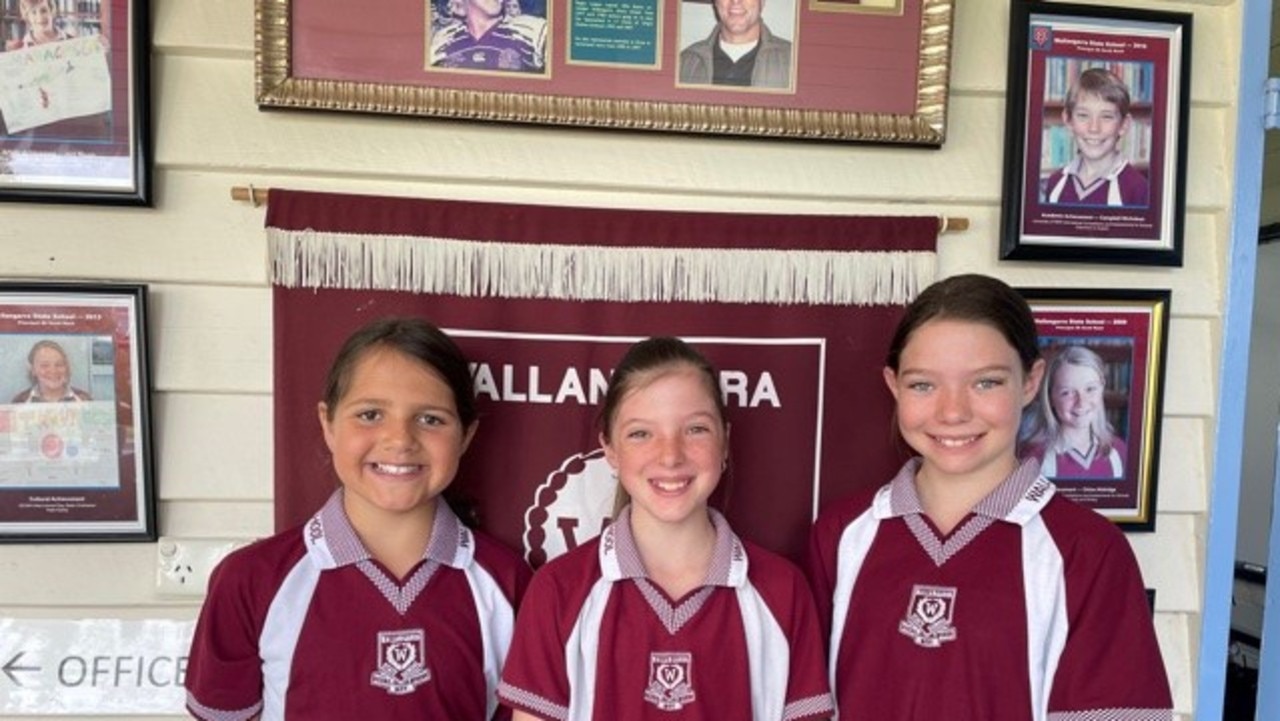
x: 183, y: 565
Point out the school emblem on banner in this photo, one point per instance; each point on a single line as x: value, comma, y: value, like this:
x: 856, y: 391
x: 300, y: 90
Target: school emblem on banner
x: 572, y: 506
x: 930, y: 615
x: 551, y: 386
x: 794, y: 311
x: 670, y: 680
x: 401, y: 661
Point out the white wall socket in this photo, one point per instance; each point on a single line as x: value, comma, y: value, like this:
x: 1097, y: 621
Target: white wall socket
x: 183, y: 565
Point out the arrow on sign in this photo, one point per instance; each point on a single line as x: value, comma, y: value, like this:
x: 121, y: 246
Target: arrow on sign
x: 12, y: 666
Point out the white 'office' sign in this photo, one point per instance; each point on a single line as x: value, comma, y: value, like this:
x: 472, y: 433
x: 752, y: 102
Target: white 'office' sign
x: 56, y: 667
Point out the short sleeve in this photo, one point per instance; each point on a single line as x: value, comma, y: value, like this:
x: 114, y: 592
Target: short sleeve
x: 534, y: 678
x: 224, y: 671
x: 808, y: 693
x: 511, y: 575
x: 820, y: 567
x: 822, y: 562
x: 1111, y: 666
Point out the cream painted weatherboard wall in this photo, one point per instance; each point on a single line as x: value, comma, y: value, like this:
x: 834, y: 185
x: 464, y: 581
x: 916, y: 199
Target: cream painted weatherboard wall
x: 204, y: 257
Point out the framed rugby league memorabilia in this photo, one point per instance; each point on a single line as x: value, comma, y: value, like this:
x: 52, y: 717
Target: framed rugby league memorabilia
x: 870, y: 71
x: 1095, y: 425
x: 1096, y: 134
x: 75, y: 434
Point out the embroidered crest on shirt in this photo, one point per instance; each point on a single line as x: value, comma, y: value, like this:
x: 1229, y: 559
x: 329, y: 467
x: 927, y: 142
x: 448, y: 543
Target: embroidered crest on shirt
x: 670, y: 676
x: 929, y: 616
x: 401, y: 657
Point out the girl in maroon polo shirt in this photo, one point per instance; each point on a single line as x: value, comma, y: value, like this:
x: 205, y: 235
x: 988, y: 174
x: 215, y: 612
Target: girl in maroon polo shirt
x: 667, y: 615
x: 383, y: 605
x: 966, y: 589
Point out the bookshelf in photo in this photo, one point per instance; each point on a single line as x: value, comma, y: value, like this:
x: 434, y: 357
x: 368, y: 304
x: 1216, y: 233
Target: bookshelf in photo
x: 1117, y: 358
x: 1057, y: 146
x: 75, y: 18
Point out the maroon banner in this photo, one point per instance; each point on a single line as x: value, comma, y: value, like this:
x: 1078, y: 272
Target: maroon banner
x: 810, y: 416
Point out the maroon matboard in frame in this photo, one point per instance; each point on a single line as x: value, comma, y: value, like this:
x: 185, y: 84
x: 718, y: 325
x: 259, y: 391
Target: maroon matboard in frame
x: 75, y: 429
x: 873, y: 71
x: 1095, y: 423
x: 75, y: 103
x: 1096, y: 134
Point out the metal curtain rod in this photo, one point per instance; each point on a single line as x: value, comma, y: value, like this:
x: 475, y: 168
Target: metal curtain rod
x: 259, y: 196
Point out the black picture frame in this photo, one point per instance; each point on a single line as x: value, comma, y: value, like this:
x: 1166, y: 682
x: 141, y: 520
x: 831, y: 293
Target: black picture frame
x: 1119, y: 195
x: 75, y: 111
x: 75, y: 425
x: 1118, y: 337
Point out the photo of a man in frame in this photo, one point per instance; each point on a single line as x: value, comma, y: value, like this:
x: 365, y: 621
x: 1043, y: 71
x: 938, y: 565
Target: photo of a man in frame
x: 741, y: 49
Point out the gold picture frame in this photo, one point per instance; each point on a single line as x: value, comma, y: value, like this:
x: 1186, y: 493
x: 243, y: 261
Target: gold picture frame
x: 301, y: 61
x: 1109, y: 347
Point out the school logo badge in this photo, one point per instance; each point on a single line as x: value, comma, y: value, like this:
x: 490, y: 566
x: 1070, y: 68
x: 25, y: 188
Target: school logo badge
x: 401, y: 661
x: 670, y: 679
x: 929, y: 616
x: 571, y: 507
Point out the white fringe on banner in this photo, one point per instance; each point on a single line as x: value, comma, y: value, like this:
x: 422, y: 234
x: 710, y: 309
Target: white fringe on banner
x: 311, y: 259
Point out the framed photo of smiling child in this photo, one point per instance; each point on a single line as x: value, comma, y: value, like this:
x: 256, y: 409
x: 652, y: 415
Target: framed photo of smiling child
x: 1096, y: 136
x: 1095, y: 424
x: 75, y: 433
x: 75, y: 109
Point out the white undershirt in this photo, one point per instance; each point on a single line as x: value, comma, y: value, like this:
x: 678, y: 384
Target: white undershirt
x: 735, y: 51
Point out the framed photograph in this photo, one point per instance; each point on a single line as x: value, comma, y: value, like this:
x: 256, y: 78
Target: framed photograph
x: 1096, y: 423
x: 1096, y: 134
x: 75, y: 102
x: 75, y: 433
x: 844, y: 70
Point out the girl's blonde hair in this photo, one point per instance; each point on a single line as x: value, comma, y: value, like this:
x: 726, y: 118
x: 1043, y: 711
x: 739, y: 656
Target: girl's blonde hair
x: 1076, y: 355
x: 28, y: 4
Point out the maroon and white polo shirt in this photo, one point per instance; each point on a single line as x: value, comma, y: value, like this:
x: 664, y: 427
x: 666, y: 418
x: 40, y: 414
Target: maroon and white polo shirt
x: 1031, y: 609
x: 597, y: 641
x: 306, y: 625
